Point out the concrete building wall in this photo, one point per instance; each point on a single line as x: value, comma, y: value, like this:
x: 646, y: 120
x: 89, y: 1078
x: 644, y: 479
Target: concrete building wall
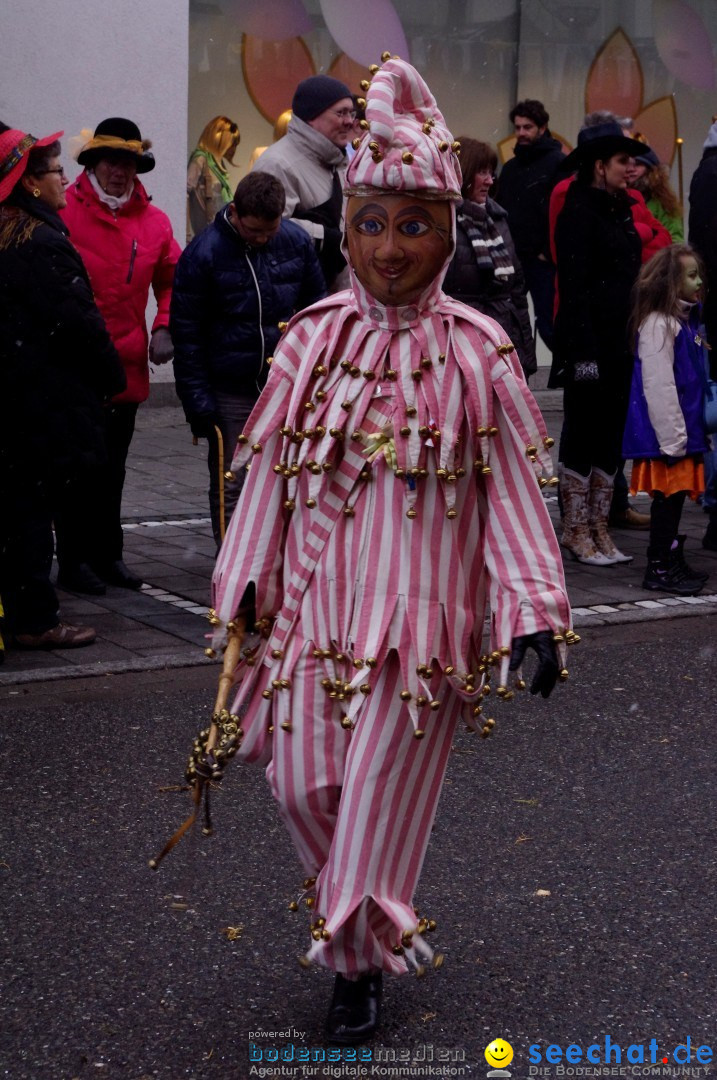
x: 67, y: 65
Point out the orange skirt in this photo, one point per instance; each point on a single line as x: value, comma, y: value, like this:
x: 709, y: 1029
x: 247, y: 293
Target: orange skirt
x: 652, y: 474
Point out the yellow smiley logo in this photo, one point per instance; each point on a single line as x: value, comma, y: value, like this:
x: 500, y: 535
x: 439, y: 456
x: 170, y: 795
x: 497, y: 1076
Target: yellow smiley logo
x: 499, y: 1053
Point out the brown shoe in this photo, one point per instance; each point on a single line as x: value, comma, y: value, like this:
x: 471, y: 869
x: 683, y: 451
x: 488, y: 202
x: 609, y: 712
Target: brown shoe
x: 630, y: 519
x: 62, y: 636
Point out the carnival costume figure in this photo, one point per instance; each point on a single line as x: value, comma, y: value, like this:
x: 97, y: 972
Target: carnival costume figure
x: 394, y: 491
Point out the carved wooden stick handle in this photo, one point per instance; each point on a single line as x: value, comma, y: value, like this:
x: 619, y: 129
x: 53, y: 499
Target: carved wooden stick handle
x: 236, y: 630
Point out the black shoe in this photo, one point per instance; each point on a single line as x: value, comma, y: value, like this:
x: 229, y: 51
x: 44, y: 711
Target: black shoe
x: 355, y: 1009
x: 679, y: 554
x: 116, y: 573
x: 666, y: 575
x: 80, y: 578
x: 709, y: 540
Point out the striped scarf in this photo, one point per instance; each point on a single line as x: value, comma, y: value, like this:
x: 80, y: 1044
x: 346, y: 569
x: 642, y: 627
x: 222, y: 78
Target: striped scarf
x: 487, y: 242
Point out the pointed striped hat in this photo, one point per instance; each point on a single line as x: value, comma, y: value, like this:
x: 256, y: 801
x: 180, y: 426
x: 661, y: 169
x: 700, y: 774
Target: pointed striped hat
x: 406, y: 147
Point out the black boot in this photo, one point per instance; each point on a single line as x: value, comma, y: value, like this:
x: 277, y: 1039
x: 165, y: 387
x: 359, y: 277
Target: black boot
x: 679, y: 553
x: 116, y: 573
x: 355, y: 1009
x: 709, y: 540
x: 664, y: 574
x: 79, y: 577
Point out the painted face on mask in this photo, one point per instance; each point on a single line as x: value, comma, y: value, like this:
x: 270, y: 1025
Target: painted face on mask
x: 397, y: 244
x: 691, y: 281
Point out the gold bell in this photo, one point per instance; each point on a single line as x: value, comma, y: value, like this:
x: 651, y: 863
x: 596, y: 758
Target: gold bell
x: 452, y: 513
x: 407, y: 157
x: 412, y: 512
x: 256, y: 448
x: 364, y: 84
x: 563, y: 675
x: 210, y: 653
x: 385, y: 56
x: 356, y: 143
x: 419, y: 733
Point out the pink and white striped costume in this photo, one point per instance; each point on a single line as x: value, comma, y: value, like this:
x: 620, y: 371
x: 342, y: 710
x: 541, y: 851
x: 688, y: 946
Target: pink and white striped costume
x: 353, y: 585
x: 373, y: 584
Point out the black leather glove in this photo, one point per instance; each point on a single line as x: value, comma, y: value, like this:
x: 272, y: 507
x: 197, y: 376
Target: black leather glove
x: 202, y: 424
x: 161, y: 349
x: 546, y: 674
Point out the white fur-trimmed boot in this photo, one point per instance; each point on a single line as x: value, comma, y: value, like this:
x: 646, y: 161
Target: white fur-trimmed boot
x: 601, y: 486
x: 576, y: 538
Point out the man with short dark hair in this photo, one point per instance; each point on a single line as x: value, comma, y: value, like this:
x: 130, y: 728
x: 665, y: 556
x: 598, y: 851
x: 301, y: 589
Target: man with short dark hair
x: 524, y: 188
x: 235, y: 284
x: 311, y: 163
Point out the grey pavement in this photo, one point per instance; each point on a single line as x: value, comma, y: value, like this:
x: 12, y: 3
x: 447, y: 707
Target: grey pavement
x: 571, y: 873
x: 169, y: 543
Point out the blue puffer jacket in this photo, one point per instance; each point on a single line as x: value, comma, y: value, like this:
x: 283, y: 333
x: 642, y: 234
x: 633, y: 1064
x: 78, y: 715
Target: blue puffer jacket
x: 227, y: 302
x: 640, y: 439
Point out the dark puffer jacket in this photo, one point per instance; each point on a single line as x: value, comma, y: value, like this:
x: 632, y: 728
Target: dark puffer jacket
x: 227, y: 302
x: 503, y: 298
x: 524, y: 187
x: 702, y: 233
x: 57, y: 361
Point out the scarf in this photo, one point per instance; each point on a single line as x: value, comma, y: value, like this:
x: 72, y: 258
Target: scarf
x: 216, y: 169
x: 487, y: 242
x: 114, y: 202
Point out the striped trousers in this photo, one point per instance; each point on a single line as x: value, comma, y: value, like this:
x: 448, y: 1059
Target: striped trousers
x: 359, y: 805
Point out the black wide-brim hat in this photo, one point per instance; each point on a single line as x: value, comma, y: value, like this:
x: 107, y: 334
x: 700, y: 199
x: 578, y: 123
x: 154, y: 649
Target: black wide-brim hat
x: 599, y: 143
x: 117, y: 133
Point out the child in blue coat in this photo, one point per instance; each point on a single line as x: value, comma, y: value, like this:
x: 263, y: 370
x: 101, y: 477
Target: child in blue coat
x: 665, y: 432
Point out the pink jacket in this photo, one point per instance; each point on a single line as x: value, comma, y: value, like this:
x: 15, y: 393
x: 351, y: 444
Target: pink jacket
x: 125, y: 253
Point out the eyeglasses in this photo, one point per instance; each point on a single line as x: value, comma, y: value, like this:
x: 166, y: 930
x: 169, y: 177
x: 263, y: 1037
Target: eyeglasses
x: 60, y: 171
x: 343, y: 114
x: 487, y: 174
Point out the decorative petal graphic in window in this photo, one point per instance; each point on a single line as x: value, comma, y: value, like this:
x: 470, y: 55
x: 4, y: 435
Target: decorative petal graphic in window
x: 683, y: 42
x: 615, y: 82
x: 272, y: 71
x: 658, y: 123
x: 277, y: 21
x: 615, y: 78
x: 365, y: 30
x: 349, y: 72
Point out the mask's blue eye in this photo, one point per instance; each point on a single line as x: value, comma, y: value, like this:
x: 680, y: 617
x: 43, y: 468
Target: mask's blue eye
x: 414, y: 228
x: 370, y: 227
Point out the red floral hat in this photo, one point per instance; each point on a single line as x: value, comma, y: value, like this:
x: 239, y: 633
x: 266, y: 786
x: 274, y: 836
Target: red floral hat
x: 15, y: 147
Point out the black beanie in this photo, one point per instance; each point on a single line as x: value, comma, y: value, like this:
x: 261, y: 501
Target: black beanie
x: 316, y: 94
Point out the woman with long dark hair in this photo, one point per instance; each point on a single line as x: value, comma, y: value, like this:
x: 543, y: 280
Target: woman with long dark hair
x: 598, y: 259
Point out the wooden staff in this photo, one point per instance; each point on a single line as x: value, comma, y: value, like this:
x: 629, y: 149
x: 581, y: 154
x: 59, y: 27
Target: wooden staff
x: 679, y: 143
x: 209, y: 761
x: 220, y: 466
